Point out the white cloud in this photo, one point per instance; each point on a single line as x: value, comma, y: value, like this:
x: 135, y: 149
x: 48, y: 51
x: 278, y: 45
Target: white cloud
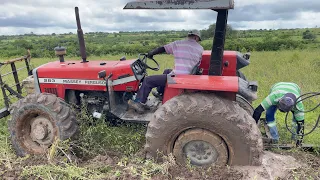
x: 46, y: 16
x: 304, y: 20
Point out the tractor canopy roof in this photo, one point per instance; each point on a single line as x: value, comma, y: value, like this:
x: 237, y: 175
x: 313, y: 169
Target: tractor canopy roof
x: 181, y: 4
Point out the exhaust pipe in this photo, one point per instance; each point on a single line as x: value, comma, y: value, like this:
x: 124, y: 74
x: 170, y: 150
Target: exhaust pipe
x: 81, y: 38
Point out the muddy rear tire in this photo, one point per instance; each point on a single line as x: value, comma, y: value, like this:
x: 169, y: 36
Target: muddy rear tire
x: 204, y: 118
x: 245, y: 104
x: 38, y: 120
x: 241, y: 75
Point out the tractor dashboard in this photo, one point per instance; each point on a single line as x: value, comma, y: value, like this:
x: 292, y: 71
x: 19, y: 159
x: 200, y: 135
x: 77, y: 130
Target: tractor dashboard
x: 138, y: 69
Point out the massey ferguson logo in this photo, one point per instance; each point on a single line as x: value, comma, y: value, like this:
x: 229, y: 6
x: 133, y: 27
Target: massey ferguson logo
x: 95, y: 82
x: 72, y: 81
x: 85, y: 81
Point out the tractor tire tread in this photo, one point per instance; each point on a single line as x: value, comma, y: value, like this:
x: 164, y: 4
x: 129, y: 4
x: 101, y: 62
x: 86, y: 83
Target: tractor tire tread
x: 64, y: 117
x: 170, y: 119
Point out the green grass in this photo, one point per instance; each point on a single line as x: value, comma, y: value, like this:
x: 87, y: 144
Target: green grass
x: 267, y: 68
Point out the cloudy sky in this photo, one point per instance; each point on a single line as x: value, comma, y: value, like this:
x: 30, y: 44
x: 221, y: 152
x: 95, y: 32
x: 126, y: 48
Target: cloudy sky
x: 48, y: 16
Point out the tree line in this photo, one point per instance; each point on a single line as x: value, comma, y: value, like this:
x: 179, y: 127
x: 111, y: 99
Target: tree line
x: 129, y: 43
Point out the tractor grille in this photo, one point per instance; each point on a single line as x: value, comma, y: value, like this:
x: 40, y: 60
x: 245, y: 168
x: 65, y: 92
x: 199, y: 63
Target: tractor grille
x: 51, y: 90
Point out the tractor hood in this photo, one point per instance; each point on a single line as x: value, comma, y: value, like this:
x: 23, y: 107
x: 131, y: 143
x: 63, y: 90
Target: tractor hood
x: 181, y: 4
x: 79, y: 70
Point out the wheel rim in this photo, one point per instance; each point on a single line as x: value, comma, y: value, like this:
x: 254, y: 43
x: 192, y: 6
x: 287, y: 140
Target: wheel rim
x: 200, y: 152
x: 201, y: 148
x: 35, y: 131
x: 41, y: 131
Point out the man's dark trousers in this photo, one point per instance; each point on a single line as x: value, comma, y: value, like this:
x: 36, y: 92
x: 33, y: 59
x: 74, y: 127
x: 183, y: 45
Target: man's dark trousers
x: 150, y: 82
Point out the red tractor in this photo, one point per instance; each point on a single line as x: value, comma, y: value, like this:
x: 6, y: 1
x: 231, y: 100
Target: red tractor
x: 204, y: 117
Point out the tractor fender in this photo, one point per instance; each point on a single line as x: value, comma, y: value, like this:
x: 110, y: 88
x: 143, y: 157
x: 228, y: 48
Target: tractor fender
x: 204, y: 82
x: 231, y: 84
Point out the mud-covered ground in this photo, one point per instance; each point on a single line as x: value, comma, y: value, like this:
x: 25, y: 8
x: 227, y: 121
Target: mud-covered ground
x: 283, y: 166
x: 279, y: 165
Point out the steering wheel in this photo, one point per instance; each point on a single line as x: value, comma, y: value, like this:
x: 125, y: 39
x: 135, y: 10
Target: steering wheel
x: 144, y: 62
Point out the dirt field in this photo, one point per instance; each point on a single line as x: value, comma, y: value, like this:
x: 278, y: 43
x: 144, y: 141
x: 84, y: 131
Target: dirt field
x: 280, y: 165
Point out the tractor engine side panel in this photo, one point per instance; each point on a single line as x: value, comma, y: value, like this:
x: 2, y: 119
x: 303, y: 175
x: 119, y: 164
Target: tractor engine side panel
x: 56, y: 77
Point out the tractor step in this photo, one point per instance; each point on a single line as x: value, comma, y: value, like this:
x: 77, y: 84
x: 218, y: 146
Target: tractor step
x: 130, y: 115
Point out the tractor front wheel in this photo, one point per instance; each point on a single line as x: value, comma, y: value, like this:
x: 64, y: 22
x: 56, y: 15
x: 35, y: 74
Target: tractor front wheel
x: 37, y: 121
x: 204, y: 129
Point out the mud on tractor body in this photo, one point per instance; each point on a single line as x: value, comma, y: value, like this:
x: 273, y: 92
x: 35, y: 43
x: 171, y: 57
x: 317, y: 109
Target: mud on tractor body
x: 204, y: 117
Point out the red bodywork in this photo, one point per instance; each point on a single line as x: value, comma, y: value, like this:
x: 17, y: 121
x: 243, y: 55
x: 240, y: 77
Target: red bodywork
x: 229, y: 57
x: 76, y: 75
x: 84, y: 71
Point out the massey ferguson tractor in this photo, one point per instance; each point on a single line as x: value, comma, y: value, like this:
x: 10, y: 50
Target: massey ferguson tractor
x: 204, y: 118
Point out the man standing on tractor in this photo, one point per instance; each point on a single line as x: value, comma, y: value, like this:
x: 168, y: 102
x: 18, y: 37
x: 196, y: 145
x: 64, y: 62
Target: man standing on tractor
x: 283, y: 96
x: 187, y: 54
